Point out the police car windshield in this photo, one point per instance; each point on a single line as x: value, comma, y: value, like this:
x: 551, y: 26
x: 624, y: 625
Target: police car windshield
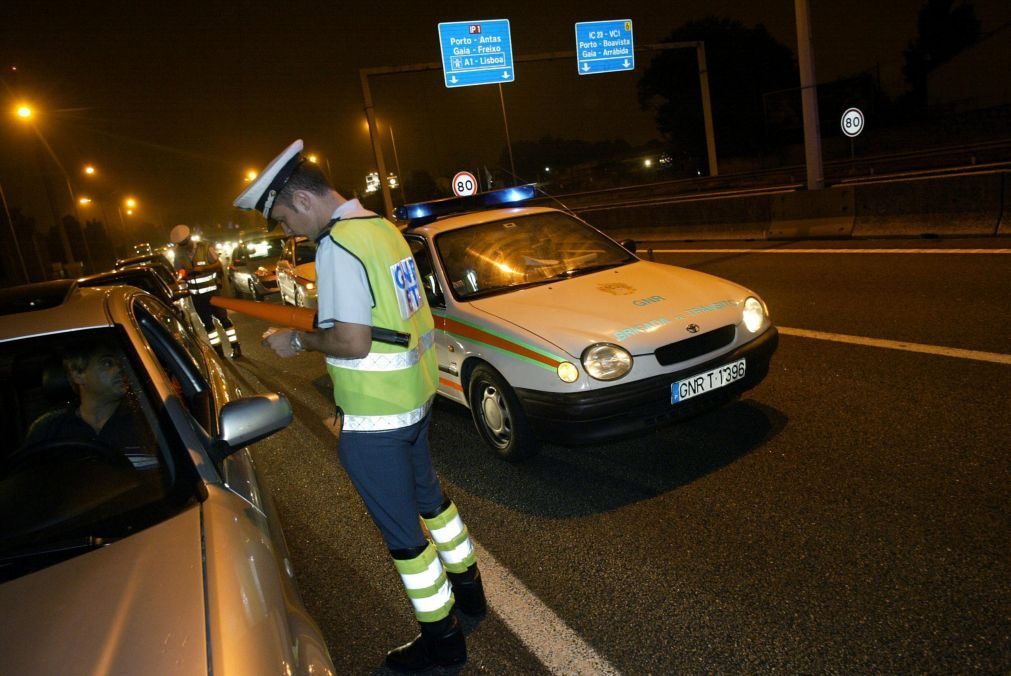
x: 530, y: 250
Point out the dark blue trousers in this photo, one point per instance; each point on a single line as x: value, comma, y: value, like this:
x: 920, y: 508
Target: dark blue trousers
x: 392, y: 472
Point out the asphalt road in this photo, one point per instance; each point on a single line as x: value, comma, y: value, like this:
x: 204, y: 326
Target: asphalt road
x: 850, y: 514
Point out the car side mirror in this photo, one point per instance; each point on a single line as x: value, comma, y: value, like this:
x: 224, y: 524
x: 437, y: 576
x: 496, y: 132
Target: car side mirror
x: 248, y: 420
x: 628, y: 244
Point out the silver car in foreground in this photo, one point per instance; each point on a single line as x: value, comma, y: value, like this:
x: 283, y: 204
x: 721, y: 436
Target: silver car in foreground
x: 161, y: 556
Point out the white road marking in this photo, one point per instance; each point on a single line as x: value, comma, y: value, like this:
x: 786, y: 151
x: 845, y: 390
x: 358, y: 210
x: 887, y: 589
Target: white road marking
x: 995, y: 357
x: 545, y: 635
x: 958, y: 252
x: 557, y: 646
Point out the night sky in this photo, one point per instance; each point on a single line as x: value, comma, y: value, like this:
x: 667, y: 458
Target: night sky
x: 173, y: 103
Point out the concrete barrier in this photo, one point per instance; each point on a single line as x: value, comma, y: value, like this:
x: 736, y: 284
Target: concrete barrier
x: 811, y: 215
x: 958, y: 206
x: 731, y: 218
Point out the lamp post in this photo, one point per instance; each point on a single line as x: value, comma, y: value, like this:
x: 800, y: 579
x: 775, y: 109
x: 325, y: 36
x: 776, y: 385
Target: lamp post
x: 14, y: 235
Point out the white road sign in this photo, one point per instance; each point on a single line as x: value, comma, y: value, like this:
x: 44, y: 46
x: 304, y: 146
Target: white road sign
x: 464, y: 184
x: 852, y: 122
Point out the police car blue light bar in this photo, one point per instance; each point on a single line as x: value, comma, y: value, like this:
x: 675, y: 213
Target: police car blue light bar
x: 426, y: 212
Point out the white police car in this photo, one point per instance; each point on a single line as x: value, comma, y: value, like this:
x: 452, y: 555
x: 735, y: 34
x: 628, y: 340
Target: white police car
x: 546, y: 329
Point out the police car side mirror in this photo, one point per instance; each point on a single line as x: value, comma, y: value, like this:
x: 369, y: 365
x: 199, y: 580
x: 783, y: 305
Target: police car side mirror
x: 628, y: 244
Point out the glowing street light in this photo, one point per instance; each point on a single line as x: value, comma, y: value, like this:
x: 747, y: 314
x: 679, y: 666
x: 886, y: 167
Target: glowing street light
x: 130, y: 203
x: 312, y: 158
x: 89, y: 169
x: 251, y: 175
x: 24, y: 111
x: 84, y: 200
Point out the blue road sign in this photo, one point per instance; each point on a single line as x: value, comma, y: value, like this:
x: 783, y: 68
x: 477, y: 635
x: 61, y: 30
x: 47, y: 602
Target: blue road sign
x: 604, y: 46
x: 476, y: 52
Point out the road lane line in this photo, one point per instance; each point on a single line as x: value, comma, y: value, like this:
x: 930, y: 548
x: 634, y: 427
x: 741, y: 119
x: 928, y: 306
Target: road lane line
x: 959, y: 252
x: 545, y: 635
x: 557, y: 646
x: 995, y: 357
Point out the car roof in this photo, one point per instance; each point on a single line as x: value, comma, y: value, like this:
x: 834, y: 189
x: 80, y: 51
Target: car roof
x: 457, y: 221
x: 78, y: 308
x: 145, y: 258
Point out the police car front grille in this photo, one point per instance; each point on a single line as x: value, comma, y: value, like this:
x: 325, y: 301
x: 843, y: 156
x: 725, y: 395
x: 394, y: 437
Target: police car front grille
x: 696, y: 346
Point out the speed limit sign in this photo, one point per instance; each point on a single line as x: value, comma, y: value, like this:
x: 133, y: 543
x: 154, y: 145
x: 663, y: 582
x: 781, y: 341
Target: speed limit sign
x: 464, y: 184
x: 852, y: 122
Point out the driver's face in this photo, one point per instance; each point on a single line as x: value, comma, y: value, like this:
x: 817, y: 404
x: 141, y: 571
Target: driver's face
x: 103, y: 378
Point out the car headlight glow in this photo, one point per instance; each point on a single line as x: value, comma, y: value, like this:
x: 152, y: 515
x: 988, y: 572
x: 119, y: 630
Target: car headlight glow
x: 606, y: 361
x: 568, y: 372
x: 753, y: 314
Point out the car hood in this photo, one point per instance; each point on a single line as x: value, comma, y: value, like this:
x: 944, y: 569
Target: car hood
x: 306, y: 271
x: 133, y: 607
x: 639, y: 306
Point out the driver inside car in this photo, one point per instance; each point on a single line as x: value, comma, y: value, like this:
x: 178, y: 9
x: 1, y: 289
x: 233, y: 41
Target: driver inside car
x: 104, y: 411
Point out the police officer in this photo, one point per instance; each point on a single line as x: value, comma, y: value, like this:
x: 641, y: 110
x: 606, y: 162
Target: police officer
x: 198, y: 264
x: 366, y: 278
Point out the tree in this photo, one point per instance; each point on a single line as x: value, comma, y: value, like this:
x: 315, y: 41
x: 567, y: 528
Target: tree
x: 743, y: 64
x: 943, y: 30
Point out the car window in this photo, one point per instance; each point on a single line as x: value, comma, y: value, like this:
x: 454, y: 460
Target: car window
x: 86, y: 455
x: 494, y: 257
x: 424, y: 263
x: 259, y: 249
x: 181, y: 359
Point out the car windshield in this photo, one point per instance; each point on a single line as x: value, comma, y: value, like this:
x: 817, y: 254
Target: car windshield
x: 494, y: 257
x: 85, y: 457
x: 261, y: 248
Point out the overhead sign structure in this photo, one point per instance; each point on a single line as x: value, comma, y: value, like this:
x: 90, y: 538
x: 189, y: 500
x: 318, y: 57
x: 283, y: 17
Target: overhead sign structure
x: 476, y: 52
x: 464, y: 184
x: 604, y: 46
x: 852, y: 122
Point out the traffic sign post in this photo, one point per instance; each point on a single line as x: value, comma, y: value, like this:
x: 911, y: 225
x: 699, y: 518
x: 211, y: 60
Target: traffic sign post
x: 604, y: 46
x: 476, y: 52
x: 464, y: 184
x: 852, y: 124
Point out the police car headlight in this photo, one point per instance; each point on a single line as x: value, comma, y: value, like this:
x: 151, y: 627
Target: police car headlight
x: 753, y: 314
x: 568, y: 372
x: 605, y: 361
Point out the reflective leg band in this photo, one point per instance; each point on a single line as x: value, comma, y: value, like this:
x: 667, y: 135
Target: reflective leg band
x: 452, y: 540
x: 232, y: 338
x: 426, y: 585
x: 213, y: 337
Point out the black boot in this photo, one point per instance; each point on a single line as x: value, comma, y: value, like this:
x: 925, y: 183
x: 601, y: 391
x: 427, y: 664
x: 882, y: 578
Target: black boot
x: 236, y: 351
x: 468, y: 591
x: 440, y: 643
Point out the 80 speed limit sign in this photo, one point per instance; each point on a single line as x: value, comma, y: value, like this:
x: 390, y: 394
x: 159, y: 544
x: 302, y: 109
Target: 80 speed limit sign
x: 852, y: 122
x: 464, y: 184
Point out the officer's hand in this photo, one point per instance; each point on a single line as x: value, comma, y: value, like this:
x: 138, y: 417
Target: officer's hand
x: 279, y: 340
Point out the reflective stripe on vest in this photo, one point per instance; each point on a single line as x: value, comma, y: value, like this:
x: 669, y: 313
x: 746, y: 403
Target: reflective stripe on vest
x: 382, y: 423
x: 386, y: 361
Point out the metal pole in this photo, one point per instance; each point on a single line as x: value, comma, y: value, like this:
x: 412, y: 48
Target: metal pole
x: 809, y: 97
x: 14, y: 234
x: 396, y: 158
x: 707, y: 108
x: 509, y: 143
x: 377, y: 149
x: 77, y: 214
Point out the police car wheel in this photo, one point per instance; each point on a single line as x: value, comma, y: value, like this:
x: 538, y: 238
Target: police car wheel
x: 499, y: 417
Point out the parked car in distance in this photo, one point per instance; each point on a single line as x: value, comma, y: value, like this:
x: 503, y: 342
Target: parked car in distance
x: 252, y: 268
x: 296, y: 272
x: 142, y: 249
x: 547, y: 329
x: 157, y: 553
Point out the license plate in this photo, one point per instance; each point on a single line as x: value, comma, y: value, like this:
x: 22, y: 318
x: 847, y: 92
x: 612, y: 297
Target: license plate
x: 706, y: 382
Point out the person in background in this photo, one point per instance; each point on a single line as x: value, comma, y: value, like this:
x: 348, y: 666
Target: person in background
x: 198, y: 264
x: 367, y: 278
